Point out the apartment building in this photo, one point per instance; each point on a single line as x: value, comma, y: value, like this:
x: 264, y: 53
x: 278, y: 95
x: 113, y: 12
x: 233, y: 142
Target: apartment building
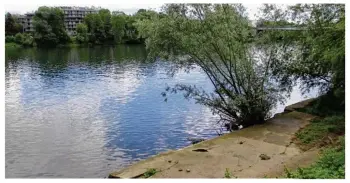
x: 72, y: 17
x: 75, y: 15
x: 27, y: 22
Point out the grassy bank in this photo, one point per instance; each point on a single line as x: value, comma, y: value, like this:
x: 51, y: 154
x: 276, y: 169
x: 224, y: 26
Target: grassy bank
x: 326, y: 132
x: 15, y: 45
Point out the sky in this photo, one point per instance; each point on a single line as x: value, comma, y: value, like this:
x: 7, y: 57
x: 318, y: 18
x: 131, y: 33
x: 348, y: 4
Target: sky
x: 126, y: 8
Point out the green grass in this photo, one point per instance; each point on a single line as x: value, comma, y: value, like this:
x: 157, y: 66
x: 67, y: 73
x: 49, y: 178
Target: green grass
x: 330, y: 123
x: 320, y: 128
x: 150, y: 172
x: 331, y: 165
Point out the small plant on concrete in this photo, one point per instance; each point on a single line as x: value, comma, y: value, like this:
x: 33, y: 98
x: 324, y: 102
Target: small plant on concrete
x: 228, y: 174
x: 150, y: 172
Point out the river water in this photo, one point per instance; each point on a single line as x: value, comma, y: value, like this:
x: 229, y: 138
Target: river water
x: 84, y: 112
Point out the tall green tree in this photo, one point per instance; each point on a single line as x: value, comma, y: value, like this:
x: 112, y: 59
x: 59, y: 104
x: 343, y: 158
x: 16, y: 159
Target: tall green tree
x: 105, y: 15
x: 49, y: 27
x: 99, y: 27
x: 82, y: 33
x: 217, y: 39
x: 118, y: 22
x: 318, y: 51
x: 95, y: 28
x: 12, y: 26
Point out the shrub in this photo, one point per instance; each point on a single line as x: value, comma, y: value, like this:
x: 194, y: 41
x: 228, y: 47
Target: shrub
x: 9, y: 39
x: 331, y: 165
x: 28, y: 40
x: 326, y: 105
x: 19, y: 38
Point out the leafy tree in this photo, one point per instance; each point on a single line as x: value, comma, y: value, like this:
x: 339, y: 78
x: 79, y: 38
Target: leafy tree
x: 28, y: 40
x: 319, y: 50
x: 49, y: 27
x: 105, y: 15
x: 217, y: 39
x: 131, y: 34
x: 98, y: 26
x: 118, y: 27
x: 19, y: 38
x: 82, y: 33
x: 10, y: 39
x: 12, y: 27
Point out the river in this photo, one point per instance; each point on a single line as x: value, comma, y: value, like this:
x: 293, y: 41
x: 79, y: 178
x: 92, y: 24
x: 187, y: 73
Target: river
x: 84, y: 112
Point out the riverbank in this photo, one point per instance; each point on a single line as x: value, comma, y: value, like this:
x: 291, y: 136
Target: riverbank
x: 266, y: 150
x: 70, y: 45
x: 12, y: 45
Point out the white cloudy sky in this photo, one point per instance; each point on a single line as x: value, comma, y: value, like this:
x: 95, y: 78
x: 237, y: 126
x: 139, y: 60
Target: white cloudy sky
x: 130, y: 8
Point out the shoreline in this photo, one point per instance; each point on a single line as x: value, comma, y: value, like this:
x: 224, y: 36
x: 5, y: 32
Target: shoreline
x: 276, y: 134
x: 69, y: 45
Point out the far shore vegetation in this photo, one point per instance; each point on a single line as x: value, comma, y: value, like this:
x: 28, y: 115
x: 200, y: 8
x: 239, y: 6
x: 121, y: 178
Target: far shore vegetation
x: 103, y: 28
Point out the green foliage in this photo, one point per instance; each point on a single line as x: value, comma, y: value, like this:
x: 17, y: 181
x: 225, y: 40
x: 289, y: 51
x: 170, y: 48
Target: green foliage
x: 228, y: 174
x: 326, y: 105
x: 107, y: 28
x: 82, y: 33
x: 118, y: 30
x: 9, y: 45
x: 217, y: 38
x: 320, y: 128
x: 97, y: 25
x: 49, y: 27
x: 10, y: 39
x: 19, y: 38
x: 318, y: 52
x: 100, y: 28
x: 331, y: 165
x: 28, y: 40
x: 12, y: 26
x: 150, y: 172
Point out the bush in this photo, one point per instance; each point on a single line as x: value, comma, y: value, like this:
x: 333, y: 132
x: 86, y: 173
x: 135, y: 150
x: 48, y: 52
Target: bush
x: 326, y: 105
x: 9, y: 39
x: 28, y: 40
x: 19, y: 38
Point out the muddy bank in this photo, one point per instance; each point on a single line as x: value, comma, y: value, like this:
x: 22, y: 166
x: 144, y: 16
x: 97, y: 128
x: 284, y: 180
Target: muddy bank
x: 254, y: 152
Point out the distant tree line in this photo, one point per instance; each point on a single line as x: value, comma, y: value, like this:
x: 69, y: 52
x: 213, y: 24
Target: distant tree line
x: 103, y: 27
